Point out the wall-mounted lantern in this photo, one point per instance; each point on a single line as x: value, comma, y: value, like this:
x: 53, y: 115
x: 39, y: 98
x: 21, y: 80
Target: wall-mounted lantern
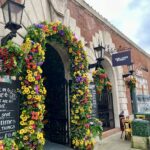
x: 12, y: 12
x: 99, y: 54
x: 130, y: 70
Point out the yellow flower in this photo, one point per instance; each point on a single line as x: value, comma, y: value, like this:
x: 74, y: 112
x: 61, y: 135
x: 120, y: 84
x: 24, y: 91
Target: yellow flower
x: 26, y: 90
x: 42, y: 141
x: 81, y: 142
x: 30, y: 79
x: 24, y: 118
x: 88, y: 133
x: 31, y: 131
x: 94, y: 72
x: 87, y: 142
x: 29, y: 72
x: 20, y: 78
x: 76, y: 117
x: 41, y: 107
x: 81, y: 109
x: 32, y: 92
x: 31, y: 122
x: 22, y: 83
x: 35, y: 73
x: 77, y: 143
x: 77, y: 111
x: 70, y: 50
x: 23, y: 87
x: 39, y: 69
x: 1, y: 142
x: 39, y: 135
x: 29, y: 96
x: 25, y: 138
x: 36, y: 82
x: 22, y: 131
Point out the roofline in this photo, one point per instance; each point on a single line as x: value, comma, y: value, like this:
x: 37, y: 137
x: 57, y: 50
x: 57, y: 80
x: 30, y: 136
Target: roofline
x: 104, y: 20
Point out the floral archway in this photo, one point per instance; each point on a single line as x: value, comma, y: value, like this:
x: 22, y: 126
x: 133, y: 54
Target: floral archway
x: 83, y: 126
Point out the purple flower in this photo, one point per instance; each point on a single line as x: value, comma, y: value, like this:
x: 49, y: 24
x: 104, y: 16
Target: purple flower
x: 37, y: 89
x: 61, y: 32
x: 79, y: 79
x: 39, y: 25
x: 36, y: 51
x: 40, y: 63
x: 32, y: 42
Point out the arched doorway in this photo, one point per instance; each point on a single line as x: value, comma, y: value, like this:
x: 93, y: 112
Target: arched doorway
x: 105, y: 109
x: 56, y: 115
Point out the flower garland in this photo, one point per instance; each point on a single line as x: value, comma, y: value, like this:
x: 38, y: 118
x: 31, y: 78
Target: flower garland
x: 81, y: 107
x: 101, y: 80
x: 33, y: 95
x: 83, y: 126
x: 11, y: 57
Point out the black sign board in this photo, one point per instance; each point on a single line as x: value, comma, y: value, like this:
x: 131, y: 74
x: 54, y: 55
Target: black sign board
x: 121, y: 58
x: 9, y: 109
x: 94, y: 101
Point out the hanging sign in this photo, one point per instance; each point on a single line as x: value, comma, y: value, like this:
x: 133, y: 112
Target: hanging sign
x: 121, y: 58
x: 9, y: 109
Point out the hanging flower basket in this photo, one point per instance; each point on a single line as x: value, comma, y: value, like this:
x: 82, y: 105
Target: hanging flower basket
x: 131, y: 83
x: 10, y: 55
x: 101, y: 80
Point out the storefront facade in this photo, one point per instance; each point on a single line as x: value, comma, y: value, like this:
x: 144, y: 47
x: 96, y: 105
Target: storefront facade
x: 92, y: 29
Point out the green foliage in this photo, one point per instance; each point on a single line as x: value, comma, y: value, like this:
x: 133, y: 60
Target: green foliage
x: 96, y: 127
x: 101, y: 80
x: 12, y: 58
x: 141, y: 128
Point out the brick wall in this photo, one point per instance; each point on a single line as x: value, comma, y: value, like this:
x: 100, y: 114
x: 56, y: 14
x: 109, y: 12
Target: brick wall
x: 89, y: 25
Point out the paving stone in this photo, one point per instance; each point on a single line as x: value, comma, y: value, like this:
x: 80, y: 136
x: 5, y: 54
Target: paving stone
x: 114, y: 143
x: 55, y: 146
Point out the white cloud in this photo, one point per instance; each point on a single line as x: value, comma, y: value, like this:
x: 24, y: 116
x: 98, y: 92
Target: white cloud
x: 126, y: 15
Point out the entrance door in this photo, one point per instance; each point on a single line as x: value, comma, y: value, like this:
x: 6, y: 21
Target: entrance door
x: 105, y: 109
x: 56, y: 116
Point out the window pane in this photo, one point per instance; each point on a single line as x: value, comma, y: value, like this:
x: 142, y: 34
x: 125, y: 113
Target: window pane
x: 19, y: 1
x: 5, y: 11
x: 16, y: 12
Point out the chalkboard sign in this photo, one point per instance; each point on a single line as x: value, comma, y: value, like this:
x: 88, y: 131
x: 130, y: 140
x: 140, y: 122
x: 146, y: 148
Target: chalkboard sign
x: 94, y: 101
x: 9, y: 109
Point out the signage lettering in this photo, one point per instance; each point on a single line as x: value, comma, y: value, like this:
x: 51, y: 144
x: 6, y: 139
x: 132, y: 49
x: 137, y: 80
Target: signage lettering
x: 94, y: 101
x: 122, y: 58
x: 9, y: 109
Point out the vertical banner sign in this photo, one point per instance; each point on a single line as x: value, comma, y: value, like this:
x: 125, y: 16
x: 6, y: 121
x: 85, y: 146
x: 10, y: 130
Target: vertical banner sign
x: 9, y: 109
x: 94, y: 101
x: 0, y: 65
x: 121, y: 58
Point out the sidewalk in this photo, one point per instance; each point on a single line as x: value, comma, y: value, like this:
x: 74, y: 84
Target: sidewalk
x: 114, y: 143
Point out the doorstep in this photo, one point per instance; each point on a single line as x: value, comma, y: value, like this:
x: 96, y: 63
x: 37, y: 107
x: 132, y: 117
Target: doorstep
x: 110, y: 132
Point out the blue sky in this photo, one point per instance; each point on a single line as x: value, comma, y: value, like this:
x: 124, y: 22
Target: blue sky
x: 132, y: 17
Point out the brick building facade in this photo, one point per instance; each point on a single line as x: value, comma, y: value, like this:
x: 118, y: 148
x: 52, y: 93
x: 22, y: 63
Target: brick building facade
x: 91, y: 28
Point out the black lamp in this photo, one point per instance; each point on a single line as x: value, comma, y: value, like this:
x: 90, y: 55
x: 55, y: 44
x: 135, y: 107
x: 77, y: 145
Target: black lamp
x: 130, y: 70
x: 99, y: 54
x: 12, y: 11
